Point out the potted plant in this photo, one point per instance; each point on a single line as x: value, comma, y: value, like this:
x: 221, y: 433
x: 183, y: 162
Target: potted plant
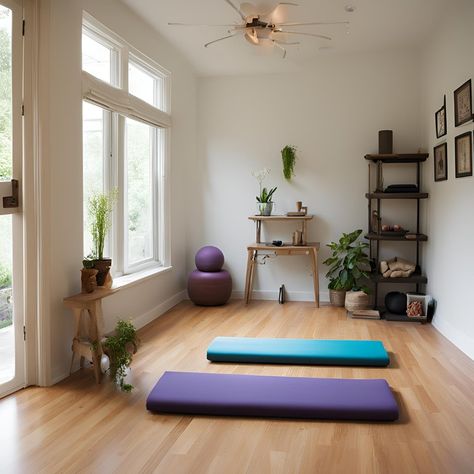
x: 100, y: 214
x: 120, y: 348
x: 288, y: 156
x: 264, y: 199
x: 348, y: 265
x: 88, y: 275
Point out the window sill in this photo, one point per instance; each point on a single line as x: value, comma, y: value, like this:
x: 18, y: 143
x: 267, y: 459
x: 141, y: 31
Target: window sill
x: 127, y: 281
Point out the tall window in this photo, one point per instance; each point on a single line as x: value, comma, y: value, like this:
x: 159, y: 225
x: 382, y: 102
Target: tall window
x: 125, y: 118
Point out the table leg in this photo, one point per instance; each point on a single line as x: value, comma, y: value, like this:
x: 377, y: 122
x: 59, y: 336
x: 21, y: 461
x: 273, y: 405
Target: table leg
x: 314, y: 260
x: 247, y: 275
x: 252, y: 271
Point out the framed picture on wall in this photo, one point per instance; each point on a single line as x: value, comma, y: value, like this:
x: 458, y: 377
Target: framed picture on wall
x: 463, y: 104
x: 440, y: 154
x: 440, y: 119
x: 463, y: 159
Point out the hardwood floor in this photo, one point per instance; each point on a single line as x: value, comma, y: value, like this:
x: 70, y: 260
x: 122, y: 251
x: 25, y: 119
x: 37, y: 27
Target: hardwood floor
x: 77, y: 426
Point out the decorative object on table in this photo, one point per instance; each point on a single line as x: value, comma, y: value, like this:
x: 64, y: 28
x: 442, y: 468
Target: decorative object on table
x: 288, y: 156
x: 463, y: 156
x: 277, y: 243
x: 396, y: 268
x: 264, y: 199
x: 418, y: 305
x: 391, y: 230
x: 120, y: 348
x: 440, y: 120
x: 463, y: 104
x: 209, y: 285
x: 356, y: 300
x: 385, y: 142
x: 401, y: 188
x: 348, y: 265
x: 88, y: 275
x: 440, y: 161
x: 300, y: 210
x: 375, y: 223
x: 396, y: 302
x: 100, y: 218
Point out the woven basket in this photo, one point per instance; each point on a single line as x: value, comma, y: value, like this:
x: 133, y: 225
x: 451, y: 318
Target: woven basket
x: 356, y: 300
x: 337, y: 297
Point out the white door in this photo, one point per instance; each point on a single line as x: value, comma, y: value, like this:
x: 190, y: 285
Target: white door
x: 12, y: 346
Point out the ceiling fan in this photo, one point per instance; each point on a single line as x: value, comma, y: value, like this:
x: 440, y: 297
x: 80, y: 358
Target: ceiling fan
x: 263, y: 28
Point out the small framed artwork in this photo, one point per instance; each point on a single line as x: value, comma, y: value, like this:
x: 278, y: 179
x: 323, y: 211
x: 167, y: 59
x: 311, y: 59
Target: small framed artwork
x: 463, y: 159
x: 463, y: 104
x: 441, y: 162
x: 440, y: 119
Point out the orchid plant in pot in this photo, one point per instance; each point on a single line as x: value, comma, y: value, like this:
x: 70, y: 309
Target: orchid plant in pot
x: 264, y: 199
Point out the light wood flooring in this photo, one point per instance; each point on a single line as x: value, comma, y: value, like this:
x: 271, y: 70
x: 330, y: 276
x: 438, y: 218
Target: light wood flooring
x: 77, y: 426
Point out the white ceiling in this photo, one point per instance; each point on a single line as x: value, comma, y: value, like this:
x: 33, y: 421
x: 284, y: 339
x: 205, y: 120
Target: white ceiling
x: 376, y: 25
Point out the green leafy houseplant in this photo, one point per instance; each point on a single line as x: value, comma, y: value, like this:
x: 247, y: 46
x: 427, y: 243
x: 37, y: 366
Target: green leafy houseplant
x: 100, y: 214
x: 288, y: 156
x: 347, y: 263
x: 120, y: 348
x: 264, y: 199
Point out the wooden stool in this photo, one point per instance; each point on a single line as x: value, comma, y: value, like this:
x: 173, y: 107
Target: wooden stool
x: 87, y: 342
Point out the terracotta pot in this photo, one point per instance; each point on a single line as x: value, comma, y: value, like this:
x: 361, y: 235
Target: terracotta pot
x: 89, y: 279
x: 337, y: 297
x: 103, y: 266
x: 356, y: 300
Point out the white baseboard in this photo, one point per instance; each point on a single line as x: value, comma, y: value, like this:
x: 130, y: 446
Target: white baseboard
x: 289, y: 295
x: 462, y: 341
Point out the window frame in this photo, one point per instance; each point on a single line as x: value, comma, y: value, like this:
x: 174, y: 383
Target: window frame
x: 115, y: 174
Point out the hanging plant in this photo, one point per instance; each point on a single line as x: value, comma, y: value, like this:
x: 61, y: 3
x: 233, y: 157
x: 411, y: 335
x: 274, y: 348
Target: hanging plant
x: 288, y: 156
x: 120, y: 348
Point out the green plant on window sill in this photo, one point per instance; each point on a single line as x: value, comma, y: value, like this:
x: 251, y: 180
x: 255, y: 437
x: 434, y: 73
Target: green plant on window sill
x: 120, y: 348
x: 288, y: 157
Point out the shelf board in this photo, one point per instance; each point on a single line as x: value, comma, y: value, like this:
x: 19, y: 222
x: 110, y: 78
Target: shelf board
x: 396, y: 238
x: 308, y: 217
x: 401, y: 317
x: 398, y: 158
x: 415, y: 278
x: 396, y: 195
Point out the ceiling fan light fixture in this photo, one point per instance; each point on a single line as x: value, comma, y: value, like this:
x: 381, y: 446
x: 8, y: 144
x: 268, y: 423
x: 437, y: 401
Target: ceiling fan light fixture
x: 251, y: 37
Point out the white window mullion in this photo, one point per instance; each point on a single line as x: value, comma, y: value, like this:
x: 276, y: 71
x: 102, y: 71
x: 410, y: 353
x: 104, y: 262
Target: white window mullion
x: 120, y: 233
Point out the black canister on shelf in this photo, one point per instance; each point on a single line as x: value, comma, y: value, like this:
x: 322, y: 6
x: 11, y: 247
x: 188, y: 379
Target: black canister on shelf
x: 385, y: 142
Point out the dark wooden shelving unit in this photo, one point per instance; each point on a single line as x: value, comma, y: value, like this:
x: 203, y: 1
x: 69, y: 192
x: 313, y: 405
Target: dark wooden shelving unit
x: 395, y: 238
x: 376, y: 237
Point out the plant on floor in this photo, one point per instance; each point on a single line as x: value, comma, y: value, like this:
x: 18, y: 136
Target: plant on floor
x: 288, y: 156
x: 120, y: 348
x: 348, y: 263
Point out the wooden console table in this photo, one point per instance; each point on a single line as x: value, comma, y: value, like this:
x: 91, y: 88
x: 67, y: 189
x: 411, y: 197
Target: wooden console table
x: 88, y: 335
x: 309, y: 248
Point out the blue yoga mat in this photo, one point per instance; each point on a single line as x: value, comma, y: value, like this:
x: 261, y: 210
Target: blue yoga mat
x: 298, y: 351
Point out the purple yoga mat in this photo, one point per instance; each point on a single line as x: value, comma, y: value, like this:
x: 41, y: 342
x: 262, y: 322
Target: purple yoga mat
x: 280, y: 397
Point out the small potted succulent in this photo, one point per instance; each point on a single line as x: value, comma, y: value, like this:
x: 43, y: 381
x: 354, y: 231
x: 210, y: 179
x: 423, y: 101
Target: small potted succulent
x: 88, y: 275
x: 264, y: 199
x: 100, y: 214
x: 348, y: 265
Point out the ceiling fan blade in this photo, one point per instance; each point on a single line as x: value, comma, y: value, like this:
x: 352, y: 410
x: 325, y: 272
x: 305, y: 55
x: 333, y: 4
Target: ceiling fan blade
x: 248, y: 9
x: 236, y: 9
x: 218, y: 39
x: 287, y: 43
x: 269, y: 15
x: 202, y: 24
x: 304, y: 34
x: 280, y: 47
x: 315, y: 23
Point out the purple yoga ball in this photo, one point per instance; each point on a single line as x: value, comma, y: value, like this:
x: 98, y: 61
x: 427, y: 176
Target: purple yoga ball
x: 209, y: 288
x: 209, y: 259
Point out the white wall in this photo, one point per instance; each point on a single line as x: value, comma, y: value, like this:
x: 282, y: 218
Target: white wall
x: 447, y: 62
x: 62, y: 164
x: 332, y: 113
